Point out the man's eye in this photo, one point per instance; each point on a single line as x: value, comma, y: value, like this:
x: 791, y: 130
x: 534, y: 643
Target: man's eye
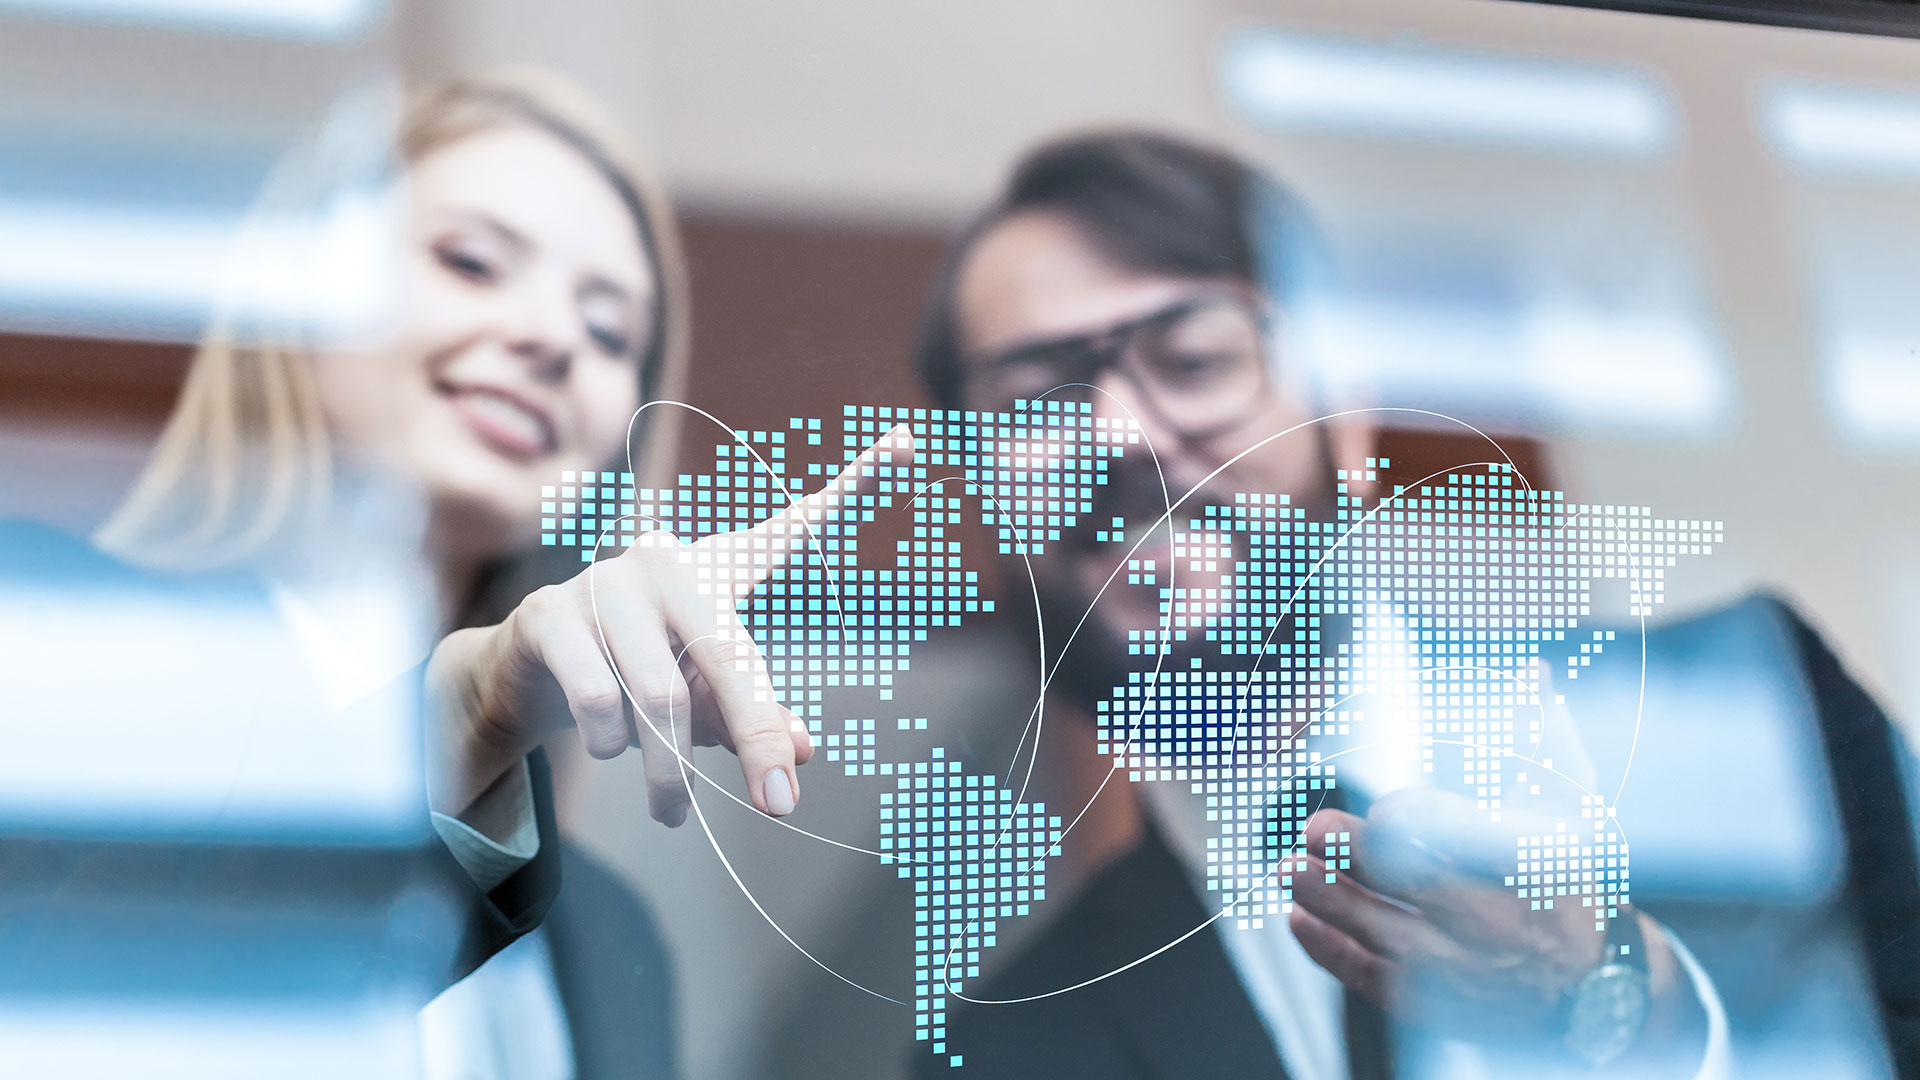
x: 1027, y: 361
x: 1032, y: 374
x: 1193, y: 363
x: 466, y: 265
x: 1045, y: 361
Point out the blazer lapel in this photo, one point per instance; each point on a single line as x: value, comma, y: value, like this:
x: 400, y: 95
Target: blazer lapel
x: 1370, y: 1040
x: 1185, y: 1011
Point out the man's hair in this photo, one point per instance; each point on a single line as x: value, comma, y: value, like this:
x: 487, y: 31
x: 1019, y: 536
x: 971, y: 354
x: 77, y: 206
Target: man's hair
x: 1149, y: 202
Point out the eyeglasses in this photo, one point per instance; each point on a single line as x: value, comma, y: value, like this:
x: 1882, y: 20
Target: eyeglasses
x: 1200, y: 363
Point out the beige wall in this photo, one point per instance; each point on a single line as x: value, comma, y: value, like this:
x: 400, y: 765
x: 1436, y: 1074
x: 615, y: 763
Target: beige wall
x: 848, y: 108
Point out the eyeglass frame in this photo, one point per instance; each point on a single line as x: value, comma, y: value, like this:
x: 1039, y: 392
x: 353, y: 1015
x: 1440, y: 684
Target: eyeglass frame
x: 1108, y: 349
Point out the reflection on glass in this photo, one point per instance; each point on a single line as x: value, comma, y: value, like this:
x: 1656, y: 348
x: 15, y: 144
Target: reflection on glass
x: 1368, y: 88
x: 1512, y: 250
x: 1853, y: 155
x: 310, y: 19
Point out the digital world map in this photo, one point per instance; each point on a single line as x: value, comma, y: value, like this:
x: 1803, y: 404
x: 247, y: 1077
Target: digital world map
x: 1417, y: 627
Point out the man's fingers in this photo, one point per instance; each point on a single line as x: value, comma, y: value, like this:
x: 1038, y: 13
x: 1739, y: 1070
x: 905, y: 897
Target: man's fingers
x: 1343, y: 957
x: 1440, y: 853
x: 1336, y: 834
x: 1330, y: 823
x: 1404, y: 903
x: 1463, y: 906
x: 1383, y: 927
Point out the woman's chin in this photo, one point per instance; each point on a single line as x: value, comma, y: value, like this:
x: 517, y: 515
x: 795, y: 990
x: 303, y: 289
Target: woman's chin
x: 482, y: 517
x: 478, y: 531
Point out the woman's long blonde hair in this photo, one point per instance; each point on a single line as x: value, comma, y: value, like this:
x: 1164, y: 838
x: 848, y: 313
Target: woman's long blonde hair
x: 245, y: 463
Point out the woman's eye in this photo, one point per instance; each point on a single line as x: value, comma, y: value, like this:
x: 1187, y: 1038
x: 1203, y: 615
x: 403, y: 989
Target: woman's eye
x: 611, y: 342
x: 608, y: 321
x: 465, y: 264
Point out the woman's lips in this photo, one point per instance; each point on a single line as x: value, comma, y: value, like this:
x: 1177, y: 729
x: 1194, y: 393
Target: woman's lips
x: 506, y: 424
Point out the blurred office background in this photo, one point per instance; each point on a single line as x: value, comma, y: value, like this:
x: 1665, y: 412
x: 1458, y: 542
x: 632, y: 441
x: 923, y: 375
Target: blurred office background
x: 1674, y: 261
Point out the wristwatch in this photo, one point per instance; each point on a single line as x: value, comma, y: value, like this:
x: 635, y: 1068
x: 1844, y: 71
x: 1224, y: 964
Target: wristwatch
x: 1602, y: 1014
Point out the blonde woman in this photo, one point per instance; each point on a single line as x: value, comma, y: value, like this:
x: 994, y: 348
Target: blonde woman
x: 539, y: 303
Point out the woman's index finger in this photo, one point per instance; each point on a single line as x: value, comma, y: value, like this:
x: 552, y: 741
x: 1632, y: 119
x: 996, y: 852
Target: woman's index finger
x: 797, y: 528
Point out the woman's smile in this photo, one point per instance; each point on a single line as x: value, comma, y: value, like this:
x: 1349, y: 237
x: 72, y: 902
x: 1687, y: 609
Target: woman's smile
x: 503, y: 420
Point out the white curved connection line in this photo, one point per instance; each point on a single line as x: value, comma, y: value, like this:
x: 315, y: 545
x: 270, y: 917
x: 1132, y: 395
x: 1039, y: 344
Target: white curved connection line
x: 593, y: 597
x: 1166, y: 519
x: 701, y: 813
x: 1266, y: 644
x: 1417, y: 673
x: 1266, y: 641
x: 1239, y: 897
x: 1036, y: 718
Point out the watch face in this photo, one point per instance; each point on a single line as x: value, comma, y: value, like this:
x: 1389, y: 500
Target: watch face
x: 1608, y: 1009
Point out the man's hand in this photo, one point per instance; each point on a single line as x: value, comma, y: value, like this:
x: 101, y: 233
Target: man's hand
x: 1456, y: 953
x: 667, y: 609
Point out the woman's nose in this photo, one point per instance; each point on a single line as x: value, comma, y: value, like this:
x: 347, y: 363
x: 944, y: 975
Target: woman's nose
x: 545, y: 332
x: 548, y: 360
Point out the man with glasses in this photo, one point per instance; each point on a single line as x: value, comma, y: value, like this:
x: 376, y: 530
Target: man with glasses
x: 1146, y: 276
x: 1198, y: 363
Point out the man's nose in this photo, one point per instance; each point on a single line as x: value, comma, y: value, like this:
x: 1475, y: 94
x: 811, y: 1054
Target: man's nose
x: 1166, y: 462
x: 1122, y: 400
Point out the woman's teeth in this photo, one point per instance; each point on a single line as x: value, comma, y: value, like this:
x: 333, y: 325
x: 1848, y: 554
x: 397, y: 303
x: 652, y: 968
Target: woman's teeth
x: 508, y: 419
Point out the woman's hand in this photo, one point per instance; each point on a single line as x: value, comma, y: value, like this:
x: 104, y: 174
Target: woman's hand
x: 667, y: 609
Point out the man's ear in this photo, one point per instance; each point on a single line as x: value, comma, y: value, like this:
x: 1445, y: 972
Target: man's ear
x: 1353, y: 439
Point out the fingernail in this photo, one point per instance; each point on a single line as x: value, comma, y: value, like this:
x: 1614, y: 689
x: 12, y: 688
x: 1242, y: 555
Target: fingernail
x: 779, y: 793
x: 675, y: 816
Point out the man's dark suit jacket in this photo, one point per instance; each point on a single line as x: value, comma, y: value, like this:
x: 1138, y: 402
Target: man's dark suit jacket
x: 1185, y: 1013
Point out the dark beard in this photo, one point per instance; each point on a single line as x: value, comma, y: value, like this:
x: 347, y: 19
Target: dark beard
x: 1085, y: 673
x: 1098, y: 660
x: 1088, y: 672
